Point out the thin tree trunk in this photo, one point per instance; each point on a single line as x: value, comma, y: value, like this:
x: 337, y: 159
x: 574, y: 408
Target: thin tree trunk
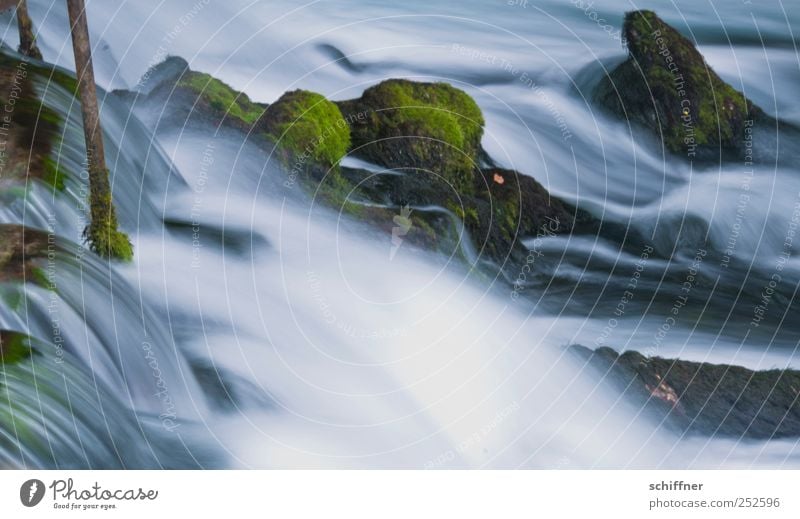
x: 101, y: 233
x: 27, y: 41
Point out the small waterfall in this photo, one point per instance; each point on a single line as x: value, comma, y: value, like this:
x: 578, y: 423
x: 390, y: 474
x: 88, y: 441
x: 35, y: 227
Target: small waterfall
x: 256, y: 328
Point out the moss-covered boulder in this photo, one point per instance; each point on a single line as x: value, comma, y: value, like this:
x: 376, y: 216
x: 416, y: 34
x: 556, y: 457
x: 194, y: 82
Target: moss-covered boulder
x: 430, y: 133
x: 309, y: 131
x: 666, y: 86
x: 429, y: 127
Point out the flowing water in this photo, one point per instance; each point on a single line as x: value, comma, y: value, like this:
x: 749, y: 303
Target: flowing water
x: 256, y: 328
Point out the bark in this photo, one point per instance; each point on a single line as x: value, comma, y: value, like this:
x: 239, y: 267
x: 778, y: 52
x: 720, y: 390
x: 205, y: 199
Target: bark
x: 27, y: 40
x: 101, y: 233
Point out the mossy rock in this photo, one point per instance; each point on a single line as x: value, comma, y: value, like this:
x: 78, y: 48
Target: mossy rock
x: 309, y: 131
x: 666, y: 86
x: 219, y: 100
x: 171, y: 95
x: 429, y: 127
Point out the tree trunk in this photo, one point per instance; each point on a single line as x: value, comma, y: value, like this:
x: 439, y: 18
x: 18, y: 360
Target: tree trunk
x: 27, y: 41
x: 101, y: 233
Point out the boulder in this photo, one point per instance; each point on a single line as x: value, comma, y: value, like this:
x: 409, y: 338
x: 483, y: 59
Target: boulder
x: 432, y: 128
x: 309, y: 130
x: 666, y: 86
x: 176, y: 94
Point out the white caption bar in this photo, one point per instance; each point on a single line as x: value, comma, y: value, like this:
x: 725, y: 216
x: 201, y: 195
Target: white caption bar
x: 401, y: 494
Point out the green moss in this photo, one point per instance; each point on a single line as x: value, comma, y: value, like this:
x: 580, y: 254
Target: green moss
x: 421, y: 224
x: 457, y: 209
x: 471, y: 215
x: 39, y: 277
x: 111, y: 244
x: 307, y: 126
x: 468, y: 214
x: 14, y: 347
x: 429, y: 126
x: 36, y: 126
x: 102, y: 233
x: 222, y: 97
x: 53, y: 176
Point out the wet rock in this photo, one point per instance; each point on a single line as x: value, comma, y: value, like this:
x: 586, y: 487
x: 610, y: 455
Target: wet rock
x: 666, y: 86
x: 702, y: 398
x: 428, y: 137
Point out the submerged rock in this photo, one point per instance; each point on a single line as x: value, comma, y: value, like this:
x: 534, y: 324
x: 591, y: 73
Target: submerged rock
x: 433, y: 128
x: 702, y: 398
x: 666, y: 86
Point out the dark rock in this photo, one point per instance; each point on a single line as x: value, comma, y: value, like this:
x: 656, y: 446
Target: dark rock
x: 332, y: 52
x: 702, y: 398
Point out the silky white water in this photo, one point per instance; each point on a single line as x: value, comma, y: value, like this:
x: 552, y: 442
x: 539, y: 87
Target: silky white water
x: 340, y: 349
